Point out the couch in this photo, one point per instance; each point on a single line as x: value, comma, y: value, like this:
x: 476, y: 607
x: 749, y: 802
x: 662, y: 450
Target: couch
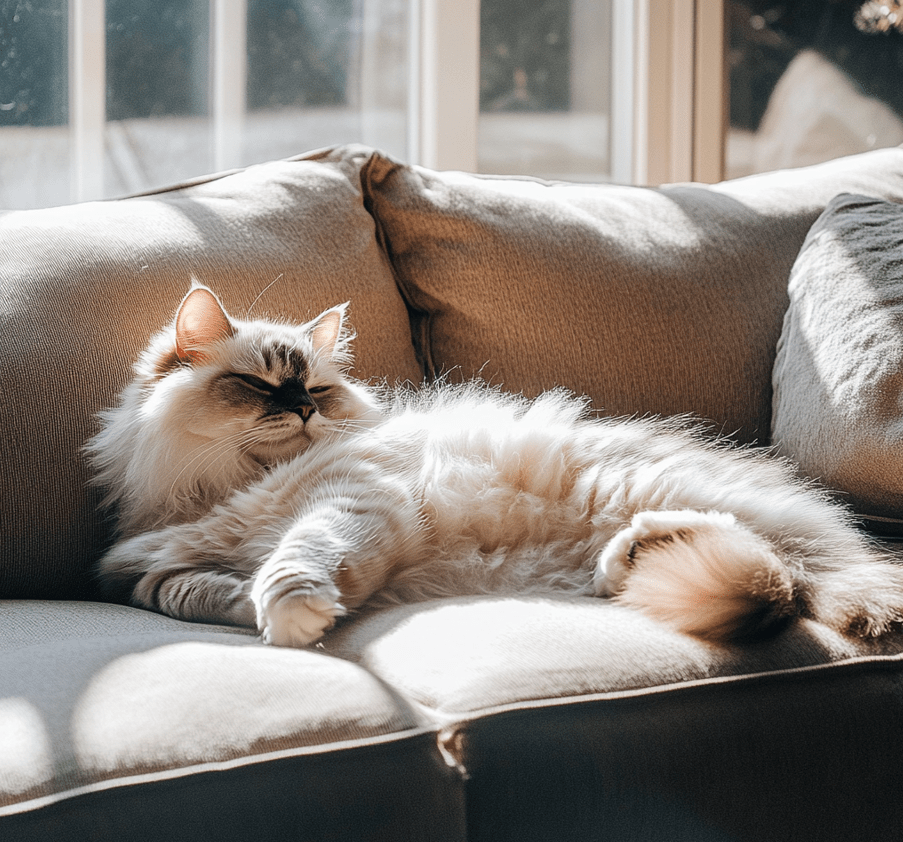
x: 479, y: 718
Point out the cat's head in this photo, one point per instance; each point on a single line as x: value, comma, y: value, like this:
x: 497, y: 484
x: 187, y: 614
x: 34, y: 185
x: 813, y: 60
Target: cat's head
x: 273, y: 387
x: 216, y: 400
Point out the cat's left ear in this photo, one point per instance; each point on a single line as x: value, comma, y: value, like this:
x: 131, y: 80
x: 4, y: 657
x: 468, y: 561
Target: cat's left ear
x: 200, y: 322
x: 326, y: 330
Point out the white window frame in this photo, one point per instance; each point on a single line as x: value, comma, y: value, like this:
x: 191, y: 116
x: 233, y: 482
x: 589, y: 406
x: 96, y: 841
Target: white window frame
x: 668, y: 97
x: 228, y: 28
x: 444, y: 84
x: 87, y: 96
x: 680, y: 84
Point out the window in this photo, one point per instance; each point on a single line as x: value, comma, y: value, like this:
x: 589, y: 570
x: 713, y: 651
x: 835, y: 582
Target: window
x: 34, y: 104
x: 545, y: 88
x: 109, y: 97
x: 106, y: 98
x: 812, y: 81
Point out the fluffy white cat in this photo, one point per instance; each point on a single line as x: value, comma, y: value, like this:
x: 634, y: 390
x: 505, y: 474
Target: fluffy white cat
x: 256, y: 484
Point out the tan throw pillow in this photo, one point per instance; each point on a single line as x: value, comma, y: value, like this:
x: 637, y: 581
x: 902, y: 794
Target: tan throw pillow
x: 838, y: 376
x: 661, y: 301
x: 83, y: 288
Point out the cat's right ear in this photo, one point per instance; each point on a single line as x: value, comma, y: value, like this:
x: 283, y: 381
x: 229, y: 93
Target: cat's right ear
x: 200, y: 321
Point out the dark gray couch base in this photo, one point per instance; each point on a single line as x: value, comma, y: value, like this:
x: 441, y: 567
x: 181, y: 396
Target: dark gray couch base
x: 742, y: 759
x: 392, y: 790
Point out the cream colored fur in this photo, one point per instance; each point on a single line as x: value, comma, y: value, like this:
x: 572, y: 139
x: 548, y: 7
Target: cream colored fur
x: 238, y: 506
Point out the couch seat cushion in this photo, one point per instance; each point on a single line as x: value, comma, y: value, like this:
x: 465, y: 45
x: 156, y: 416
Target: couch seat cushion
x: 578, y: 719
x: 98, y: 699
x: 476, y: 654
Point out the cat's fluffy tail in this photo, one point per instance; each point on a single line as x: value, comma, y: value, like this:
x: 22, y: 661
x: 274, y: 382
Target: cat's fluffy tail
x: 707, y: 574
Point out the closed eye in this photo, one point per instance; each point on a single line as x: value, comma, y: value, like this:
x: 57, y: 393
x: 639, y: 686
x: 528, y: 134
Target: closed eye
x: 317, y: 390
x: 257, y: 383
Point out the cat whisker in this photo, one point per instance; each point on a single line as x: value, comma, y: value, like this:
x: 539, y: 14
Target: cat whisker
x: 260, y: 294
x: 350, y: 425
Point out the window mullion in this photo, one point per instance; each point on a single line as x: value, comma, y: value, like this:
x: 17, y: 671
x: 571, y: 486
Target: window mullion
x: 679, y: 87
x: 87, y: 97
x: 229, y: 80
x: 626, y: 87
x: 711, y: 87
x: 444, y: 83
x: 683, y: 88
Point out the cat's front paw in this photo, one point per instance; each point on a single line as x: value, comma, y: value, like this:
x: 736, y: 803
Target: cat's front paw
x: 299, y: 619
x: 296, y: 602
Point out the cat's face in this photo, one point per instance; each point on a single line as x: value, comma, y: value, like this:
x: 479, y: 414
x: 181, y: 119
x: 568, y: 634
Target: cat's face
x: 258, y: 389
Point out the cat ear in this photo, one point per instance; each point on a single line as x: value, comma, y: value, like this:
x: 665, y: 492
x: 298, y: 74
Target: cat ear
x: 326, y: 329
x: 200, y: 322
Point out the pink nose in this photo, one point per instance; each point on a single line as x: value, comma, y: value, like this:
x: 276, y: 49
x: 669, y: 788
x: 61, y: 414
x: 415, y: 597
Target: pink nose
x: 305, y: 410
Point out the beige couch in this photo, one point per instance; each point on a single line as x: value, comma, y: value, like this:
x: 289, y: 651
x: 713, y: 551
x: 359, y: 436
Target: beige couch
x: 476, y: 718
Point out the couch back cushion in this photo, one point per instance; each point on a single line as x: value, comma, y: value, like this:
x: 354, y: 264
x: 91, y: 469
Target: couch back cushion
x: 662, y: 301
x: 85, y: 286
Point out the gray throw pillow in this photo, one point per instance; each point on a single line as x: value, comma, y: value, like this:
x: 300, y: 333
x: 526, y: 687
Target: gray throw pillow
x: 838, y: 375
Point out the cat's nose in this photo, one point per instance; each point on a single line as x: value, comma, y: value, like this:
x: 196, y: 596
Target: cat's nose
x: 304, y: 410
x: 293, y: 397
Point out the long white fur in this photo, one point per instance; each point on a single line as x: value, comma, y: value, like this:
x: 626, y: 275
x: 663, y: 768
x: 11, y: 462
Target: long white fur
x: 457, y: 489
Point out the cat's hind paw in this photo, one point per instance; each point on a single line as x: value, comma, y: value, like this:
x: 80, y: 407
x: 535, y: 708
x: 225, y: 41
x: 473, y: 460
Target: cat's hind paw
x: 614, y: 564
x: 648, y: 532
x: 702, y: 573
x: 299, y: 619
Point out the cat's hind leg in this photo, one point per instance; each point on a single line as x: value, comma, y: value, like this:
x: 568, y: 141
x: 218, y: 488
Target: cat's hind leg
x: 164, y: 571
x: 703, y: 573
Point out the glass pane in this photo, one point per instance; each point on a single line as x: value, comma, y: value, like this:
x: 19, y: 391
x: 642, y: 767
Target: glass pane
x: 307, y: 73
x: 158, y: 130
x: 545, y: 88
x: 323, y: 72
x: 34, y: 102
x: 812, y: 81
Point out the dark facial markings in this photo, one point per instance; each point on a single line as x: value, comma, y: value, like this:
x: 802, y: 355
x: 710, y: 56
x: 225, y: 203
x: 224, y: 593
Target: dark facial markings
x: 256, y: 383
x: 291, y: 395
x: 283, y: 385
x: 283, y: 360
